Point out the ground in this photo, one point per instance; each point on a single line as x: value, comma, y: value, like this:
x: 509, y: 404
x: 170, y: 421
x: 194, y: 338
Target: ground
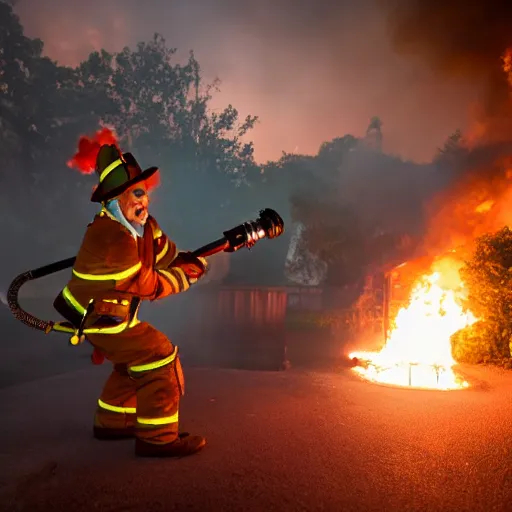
x: 284, y: 441
x: 311, y: 439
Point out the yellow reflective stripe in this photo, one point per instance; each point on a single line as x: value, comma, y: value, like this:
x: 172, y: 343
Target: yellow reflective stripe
x: 163, y: 252
x: 72, y: 301
x: 123, y: 302
x: 110, y: 168
x: 113, y: 408
x: 157, y: 233
x: 134, y: 322
x: 115, y: 329
x: 110, y: 277
x: 159, y: 421
x: 183, y: 276
x: 155, y: 364
x: 59, y: 327
x: 183, y: 286
x: 171, y: 279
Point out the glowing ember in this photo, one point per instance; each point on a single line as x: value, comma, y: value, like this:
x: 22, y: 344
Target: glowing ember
x: 418, y: 350
x: 485, y: 206
x: 507, y: 64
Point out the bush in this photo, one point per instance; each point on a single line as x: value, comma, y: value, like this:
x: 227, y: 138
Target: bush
x: 471, y: 345
x: 488, y: 279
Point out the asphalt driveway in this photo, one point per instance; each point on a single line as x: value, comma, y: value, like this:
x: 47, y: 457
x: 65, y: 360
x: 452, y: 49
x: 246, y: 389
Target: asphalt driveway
x: 283, y: 441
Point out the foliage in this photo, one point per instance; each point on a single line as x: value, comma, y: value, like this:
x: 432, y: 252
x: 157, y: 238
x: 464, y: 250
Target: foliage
x: 488, y: 279
x: 452, y: 159
x: 159, y: 108
x: 350, y: 199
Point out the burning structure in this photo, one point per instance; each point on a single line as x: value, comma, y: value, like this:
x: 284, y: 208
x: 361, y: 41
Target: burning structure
x: 420, y: 314
x: 424, y: 299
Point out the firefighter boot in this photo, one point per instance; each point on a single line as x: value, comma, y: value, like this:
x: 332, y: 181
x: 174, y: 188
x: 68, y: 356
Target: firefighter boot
x: 122, y: 428
x: 115, y: 434
x: 184, y: 445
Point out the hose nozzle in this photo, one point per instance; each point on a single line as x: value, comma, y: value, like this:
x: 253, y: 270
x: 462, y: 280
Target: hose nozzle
x: 268, y: 225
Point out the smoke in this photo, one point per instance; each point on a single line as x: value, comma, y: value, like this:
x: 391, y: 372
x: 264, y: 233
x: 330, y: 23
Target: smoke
x: 470, y: 41
x: 310, y: 70
x: 467, y: 40
x: 478, y: 203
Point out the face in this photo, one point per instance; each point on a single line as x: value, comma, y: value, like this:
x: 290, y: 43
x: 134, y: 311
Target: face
x: 134, y: 204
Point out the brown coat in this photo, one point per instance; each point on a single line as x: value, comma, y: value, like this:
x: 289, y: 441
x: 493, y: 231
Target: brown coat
x: 116, y: 270
x: 113, y: 267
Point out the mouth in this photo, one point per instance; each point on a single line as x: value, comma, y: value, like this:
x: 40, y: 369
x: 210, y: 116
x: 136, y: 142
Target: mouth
x: 141, y: 215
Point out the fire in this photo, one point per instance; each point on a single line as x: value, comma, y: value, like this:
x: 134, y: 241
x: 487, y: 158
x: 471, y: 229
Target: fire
x: 507, y: 65
x: 485, y: 206
x: 418, y: 349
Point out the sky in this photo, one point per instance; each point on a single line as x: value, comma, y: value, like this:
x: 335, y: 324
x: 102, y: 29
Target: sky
x: 311, y: 70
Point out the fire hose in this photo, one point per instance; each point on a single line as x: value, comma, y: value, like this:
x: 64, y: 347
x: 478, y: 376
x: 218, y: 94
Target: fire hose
x: 268, y: 225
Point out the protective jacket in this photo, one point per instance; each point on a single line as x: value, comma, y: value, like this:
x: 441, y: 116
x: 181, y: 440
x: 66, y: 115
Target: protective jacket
x: 116, y: 269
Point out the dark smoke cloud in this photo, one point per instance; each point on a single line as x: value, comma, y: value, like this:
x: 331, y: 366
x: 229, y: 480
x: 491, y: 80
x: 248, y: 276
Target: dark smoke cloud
x: 466, y: 39
x: 463, y: 38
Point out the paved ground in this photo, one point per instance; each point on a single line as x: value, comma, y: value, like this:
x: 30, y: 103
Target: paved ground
x: 284, y: 441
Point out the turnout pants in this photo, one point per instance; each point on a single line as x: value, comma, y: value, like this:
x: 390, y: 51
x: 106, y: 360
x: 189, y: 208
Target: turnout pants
x: 145, y: 386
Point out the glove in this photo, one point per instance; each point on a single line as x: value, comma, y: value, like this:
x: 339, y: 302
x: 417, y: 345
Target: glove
x: 193, y: 266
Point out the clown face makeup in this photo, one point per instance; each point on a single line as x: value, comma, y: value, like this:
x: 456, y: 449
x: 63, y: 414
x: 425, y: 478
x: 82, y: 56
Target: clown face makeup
x: 134, y: 204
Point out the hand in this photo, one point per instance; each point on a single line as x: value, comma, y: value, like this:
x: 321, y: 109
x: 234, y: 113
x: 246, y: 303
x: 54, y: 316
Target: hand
x: 193, y: 266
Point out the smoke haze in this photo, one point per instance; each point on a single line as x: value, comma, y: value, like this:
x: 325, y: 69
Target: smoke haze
x: 466, y: 40
x: 311, y: 70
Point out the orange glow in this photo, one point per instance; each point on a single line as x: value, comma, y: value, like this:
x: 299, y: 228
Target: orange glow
x: 418, y: 348
x: 507, y: 64
x: 485, y: 206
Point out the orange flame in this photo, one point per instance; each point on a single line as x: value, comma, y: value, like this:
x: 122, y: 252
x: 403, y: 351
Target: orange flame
x: 507, y: 64
x: 420, y: 339
x: 418, y: 348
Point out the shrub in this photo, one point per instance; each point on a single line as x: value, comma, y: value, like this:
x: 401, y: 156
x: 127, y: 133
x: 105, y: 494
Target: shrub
x: 488, y: 278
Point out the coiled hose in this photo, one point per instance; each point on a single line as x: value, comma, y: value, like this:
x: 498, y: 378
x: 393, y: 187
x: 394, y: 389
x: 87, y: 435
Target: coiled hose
x: 14, y: 289
x: 268, y: 225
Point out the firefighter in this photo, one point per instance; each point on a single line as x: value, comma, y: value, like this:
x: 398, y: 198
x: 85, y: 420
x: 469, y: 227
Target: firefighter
x: 124, y: 259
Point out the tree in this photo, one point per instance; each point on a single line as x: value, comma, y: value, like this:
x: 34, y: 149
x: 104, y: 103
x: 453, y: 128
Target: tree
x: 451, y: 157
x: 160, y: 109
x: 487, y: 276
x: 33, y: 114
x: 374, y: 133
x: 333, y: 153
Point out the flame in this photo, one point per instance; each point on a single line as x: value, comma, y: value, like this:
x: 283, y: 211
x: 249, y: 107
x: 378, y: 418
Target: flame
x: 485, y: 206
x: 507, y: 64
x: 418, y: 349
